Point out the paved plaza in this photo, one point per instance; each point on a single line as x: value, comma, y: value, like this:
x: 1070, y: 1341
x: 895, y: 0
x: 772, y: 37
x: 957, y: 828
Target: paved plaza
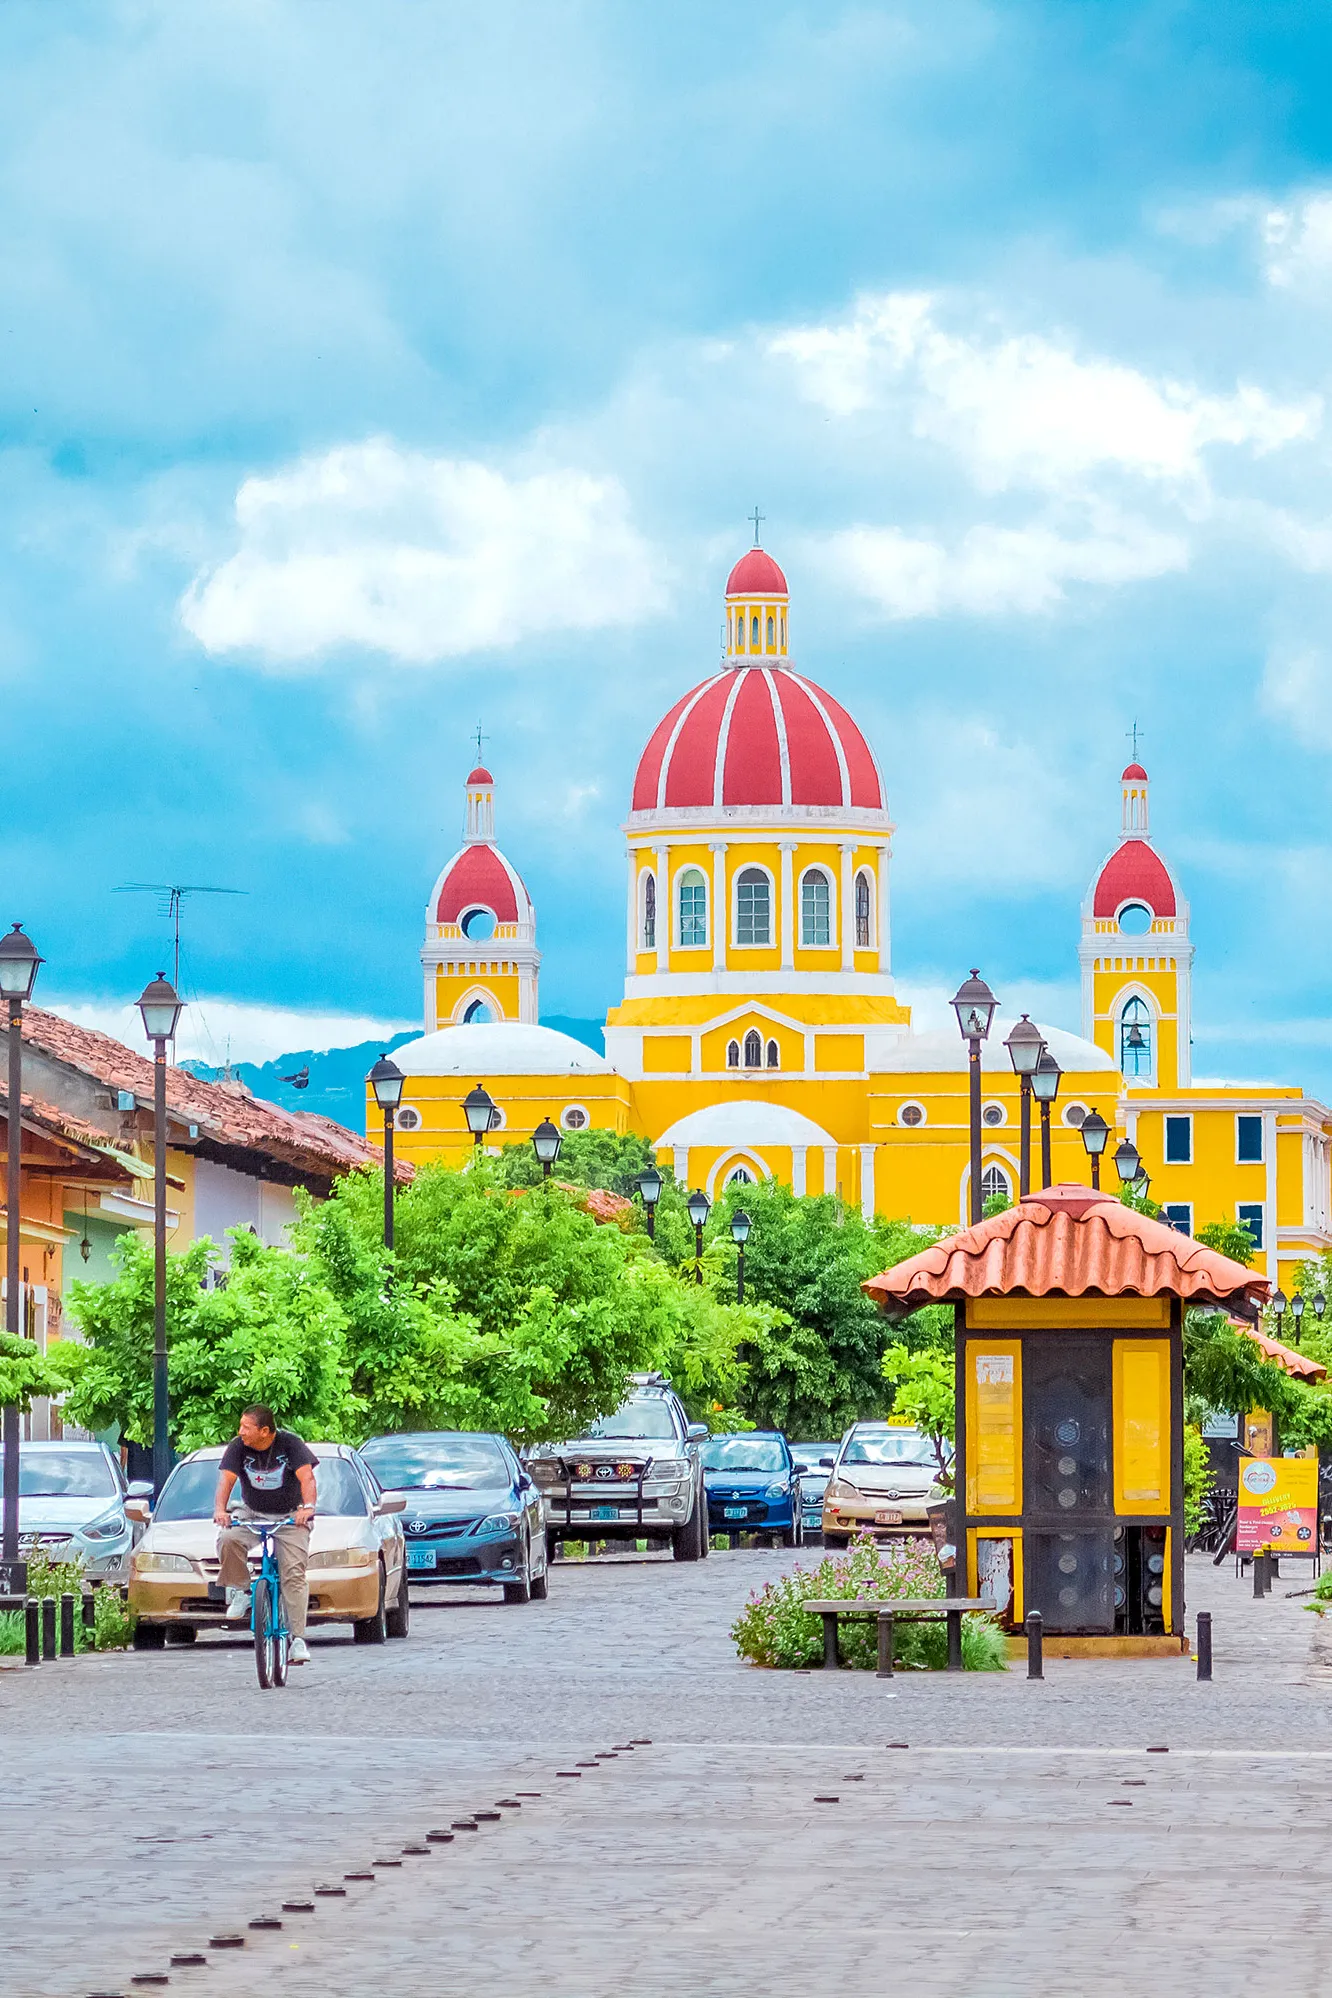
x: 1026, y: 1839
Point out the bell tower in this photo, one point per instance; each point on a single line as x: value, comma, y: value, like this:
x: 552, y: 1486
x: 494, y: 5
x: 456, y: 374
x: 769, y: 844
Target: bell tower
x: 479, y: 956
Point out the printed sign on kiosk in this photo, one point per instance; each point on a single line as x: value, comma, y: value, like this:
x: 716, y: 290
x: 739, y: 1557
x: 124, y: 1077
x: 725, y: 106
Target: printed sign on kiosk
x: 1278, y: 1505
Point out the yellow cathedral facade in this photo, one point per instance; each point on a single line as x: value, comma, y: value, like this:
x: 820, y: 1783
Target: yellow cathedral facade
x: 760, y: 1033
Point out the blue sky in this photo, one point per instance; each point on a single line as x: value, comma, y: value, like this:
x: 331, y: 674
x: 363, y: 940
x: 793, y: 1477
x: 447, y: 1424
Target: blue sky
x: 367, y: 372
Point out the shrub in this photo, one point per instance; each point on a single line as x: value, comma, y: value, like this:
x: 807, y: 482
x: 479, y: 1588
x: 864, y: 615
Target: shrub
x: 114, y: 1621
x: 774, y: 1630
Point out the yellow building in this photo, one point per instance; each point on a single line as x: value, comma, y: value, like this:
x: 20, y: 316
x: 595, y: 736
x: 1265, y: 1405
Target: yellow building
x: 760, y: 1033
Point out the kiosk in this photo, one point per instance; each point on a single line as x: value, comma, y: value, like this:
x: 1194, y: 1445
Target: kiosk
x: 1070, y: 1409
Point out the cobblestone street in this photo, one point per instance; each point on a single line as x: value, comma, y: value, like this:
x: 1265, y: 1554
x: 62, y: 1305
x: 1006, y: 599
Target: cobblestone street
x: 1025, y: 1840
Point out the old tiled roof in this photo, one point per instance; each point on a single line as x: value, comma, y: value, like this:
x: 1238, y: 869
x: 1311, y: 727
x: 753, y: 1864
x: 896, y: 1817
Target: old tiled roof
x: 1298, y: 1364
x: 1069, y: 1242
x: 224, y: 1113
x: 57, y: 1123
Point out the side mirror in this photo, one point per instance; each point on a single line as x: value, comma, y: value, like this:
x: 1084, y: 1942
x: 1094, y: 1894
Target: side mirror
x: 138, y: 1510
x: 524, y: 1483
x: 800, y: 1470
x: 141, y: 1488
x: 826, y: 1463
x: 390, y: 1503
x: 698, y: 1432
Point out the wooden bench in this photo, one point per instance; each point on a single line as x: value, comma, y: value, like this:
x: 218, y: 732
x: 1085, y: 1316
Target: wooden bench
x: 886, y: 1612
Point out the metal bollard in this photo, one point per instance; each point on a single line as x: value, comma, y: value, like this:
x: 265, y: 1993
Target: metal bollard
x: 1035, y: 1641
x: 89, y: 1609
x: 1259, y: 1575
x: 48, y: 1628
x: 67, y: 1625
x: 1204, y: 1644
x: 32, y: 1631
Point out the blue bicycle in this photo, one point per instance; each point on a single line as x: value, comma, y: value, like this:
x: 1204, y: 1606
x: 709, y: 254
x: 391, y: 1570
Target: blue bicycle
x: 272, y: 1639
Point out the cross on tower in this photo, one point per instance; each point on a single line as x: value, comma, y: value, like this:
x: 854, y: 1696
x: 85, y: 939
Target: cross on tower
x: 756, y: 517
x: 479, y: 740
x: 1133, y: 734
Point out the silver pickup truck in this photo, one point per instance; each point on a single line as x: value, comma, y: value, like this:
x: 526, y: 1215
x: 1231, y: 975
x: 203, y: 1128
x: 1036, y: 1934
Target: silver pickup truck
x: 636, y: 1475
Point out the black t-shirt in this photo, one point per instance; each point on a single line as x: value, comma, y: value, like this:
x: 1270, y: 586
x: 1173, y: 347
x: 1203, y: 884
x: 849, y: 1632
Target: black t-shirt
x: 268, y: 1481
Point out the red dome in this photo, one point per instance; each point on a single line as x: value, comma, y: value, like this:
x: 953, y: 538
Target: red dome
x: 756, y: 575
x: 1134, y: 872
x: 757, y: 736
x: 480, y: 776
x: 1134, y: 774
x: 478, y: 875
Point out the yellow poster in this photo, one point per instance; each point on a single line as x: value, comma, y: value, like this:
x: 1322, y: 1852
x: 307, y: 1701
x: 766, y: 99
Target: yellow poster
x: 1278, y: 1504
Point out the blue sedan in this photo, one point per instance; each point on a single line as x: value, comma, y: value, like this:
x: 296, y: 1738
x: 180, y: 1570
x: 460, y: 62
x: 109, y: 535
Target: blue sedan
x: 753, y: 1486
x: 473, y: 1515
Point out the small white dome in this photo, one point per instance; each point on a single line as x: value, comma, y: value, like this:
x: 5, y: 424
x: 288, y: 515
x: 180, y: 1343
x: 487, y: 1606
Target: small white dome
x: 943, y: 1053
x: 499, y: 1047
x: 742, y: 1122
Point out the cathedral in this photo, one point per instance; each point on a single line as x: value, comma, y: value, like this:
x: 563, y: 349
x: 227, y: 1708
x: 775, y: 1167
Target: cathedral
x: 760, y: 1034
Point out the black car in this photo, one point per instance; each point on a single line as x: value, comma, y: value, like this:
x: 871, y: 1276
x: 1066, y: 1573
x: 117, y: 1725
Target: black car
x: 473, y: 1515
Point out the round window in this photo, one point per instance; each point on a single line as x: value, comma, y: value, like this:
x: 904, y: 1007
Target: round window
x: 911, y: 1114
x: 574, y: 1117
x: 408, y: 1119
x: 1074, y: 1114
x: 1135, y: 919
x: 477, y: 924
x: 993, y: 1113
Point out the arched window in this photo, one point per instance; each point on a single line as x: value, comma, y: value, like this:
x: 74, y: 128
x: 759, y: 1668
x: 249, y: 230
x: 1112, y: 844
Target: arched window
x: 772, y: 632
x: 733, y: 1054
x: 753, y: 1049
x: 863, y: 906
x: 815, y: 910
x: 753, y: 907
x: 740, y: 1176
x: 649, y: 912
x: 774, y: 1055
x: 1135, y: 1038
x: 783, y: 631
x: 995, y: 1184
x: 754, y: 631
x: 478, y: 1014
x: 693, y: 909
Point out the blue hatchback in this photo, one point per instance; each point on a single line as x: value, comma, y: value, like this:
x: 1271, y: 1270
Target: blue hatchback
x: 752, y: 1485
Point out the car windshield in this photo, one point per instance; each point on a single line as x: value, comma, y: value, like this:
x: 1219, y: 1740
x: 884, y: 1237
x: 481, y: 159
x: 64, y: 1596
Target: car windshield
x: 812, y: 1453
x: 744, y: 1453
x: 437, y: 1463
x: 888, y: 1446
x: 56, y: 1473
x: 651, y: 1419
x: 191, y: 1489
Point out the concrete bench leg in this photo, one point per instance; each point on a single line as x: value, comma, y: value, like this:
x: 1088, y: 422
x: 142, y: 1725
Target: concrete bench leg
x: 830, y: 1659
x: 955, y: 1640
x: 885, y: 1670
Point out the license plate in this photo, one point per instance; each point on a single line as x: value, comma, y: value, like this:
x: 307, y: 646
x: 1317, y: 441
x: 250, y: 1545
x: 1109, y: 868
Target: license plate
x: 735, y: 1512
x: 604, y: 1512
x: 421, y: 1557
x: 887, y: 1519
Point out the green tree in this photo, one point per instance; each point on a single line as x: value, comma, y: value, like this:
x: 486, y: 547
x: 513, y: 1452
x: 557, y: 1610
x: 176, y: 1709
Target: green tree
x: 1228, y: 1239
x: 27, y: 1374
x: 924, y: 1393
x: 607, y: 1159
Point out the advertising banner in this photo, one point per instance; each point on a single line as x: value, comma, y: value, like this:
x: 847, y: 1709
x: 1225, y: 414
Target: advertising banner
x: 1278, y: 1505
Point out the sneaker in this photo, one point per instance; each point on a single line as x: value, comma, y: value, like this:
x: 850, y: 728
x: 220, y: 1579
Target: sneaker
x: 299, y: 1653
x: 238, y: 1605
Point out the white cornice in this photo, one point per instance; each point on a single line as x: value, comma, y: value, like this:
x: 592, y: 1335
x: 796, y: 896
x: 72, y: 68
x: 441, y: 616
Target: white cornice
x: 739, y: 985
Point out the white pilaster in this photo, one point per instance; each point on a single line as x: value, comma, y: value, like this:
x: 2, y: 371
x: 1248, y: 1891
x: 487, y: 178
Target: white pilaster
x: 788, y: 847
x: 867, y: 1181
x: 631, y: 932
x: 882, y: 915
x: 680, y: 1164
x: 665, y: 909
x: 798, y: 1168
x: 1270, y: 1193
x: 848, y: 910
x: 829, y: 1168
x: 720, y: 912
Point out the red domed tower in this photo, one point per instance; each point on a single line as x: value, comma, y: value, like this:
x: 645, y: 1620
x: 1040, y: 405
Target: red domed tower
x: 480, y: 954
x: 1135, y: 953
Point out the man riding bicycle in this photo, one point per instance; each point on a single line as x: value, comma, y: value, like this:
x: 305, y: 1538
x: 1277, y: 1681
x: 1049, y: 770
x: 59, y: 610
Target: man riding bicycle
x: 277, y: 1480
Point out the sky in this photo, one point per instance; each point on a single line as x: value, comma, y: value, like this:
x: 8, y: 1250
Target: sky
x: 371, y: 374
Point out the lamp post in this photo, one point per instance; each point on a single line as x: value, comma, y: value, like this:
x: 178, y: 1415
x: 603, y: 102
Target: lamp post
x: 740, y: 1226
x: 1026, y: 1045
x: 161, y: 1009
x: 386, y: 1079
x: 975, y: 1006
x: 546, y: 1142
x: 1278, y: 1307
x: 1319, y: 1304
x: 1127, y: 1164
x: 699, y: 1207
x: 649, y: 1185
x: 1045, y: 1088
x: 19, y: 960
x: 478, y: 1109
x: 1095, y: 1133
x: 1297, y: 1312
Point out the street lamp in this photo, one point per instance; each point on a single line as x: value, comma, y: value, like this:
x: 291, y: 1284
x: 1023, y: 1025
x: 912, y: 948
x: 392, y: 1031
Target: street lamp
x: 975, y: 1006
x: 1278, y: 1307
x: 1297, y: 1311
x: 649, y: 1185
x: 1095, y: 1132
x: 1045, y: 1088
x: 740, y: 1226
x: 546, y: 1142
x: 19, y: 959
x: 386, y: 1079
x: 1319, y: 1304
x: 1026, y: 1045
x: 161, y: 1008
x: 478, y: 1109
x: 1127, y: 1163
x: 699, y: 1208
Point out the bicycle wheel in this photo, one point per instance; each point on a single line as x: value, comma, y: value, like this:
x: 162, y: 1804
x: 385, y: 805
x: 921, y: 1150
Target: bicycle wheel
x: 281, y: 1652
x: 265, y: 1644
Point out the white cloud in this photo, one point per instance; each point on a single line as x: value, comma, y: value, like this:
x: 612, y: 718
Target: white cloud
x: 422, y: 558
x: 1297, y: 242
x: 217, y: 1030
x: 980, y: 807
x: 1297, y: 690
x: 1050, y: 1002
x: 994, y: 571
x: 1022, y: 409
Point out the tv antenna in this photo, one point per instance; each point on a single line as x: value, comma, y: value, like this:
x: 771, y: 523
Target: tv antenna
x: 171, y: 894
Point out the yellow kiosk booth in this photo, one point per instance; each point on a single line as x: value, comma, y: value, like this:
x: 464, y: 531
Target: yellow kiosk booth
x: 1070, y: 1409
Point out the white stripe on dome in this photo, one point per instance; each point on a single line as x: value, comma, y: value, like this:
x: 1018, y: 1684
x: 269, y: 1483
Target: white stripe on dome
x: 816, y: 697
x: 516, y: 882
x: 723, y: 737
x: 669, y: 750
x: 432, y: 906
x: 783, y: 752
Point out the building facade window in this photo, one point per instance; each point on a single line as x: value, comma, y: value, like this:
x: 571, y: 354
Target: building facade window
x: 754, y: 632
x: 993, y: 1113
x: 574, y: 1117
x: 815, y: 910
x: 911, y: 1114
x: 693, y: 910
x: 1248, y: 1141
x: 783, y: 631
x: 408, y: 1118
x: 733, y: 1054
x: 1135, y: 1039
x: 1178, y: 1214
x: 864, y: 912
x: 1074, y: 1114
x: 1179, y: 1141
x: 774, y: 1055
x: 995, y: 1183
x: 753, y: 907
x: 772, y: 632
x: 478, y: 1014
x: 753, y: 1049
x: 649, y: 912
x: 1249, y: 1214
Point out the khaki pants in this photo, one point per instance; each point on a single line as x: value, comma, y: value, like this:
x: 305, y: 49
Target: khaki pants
x: 291, y: 1547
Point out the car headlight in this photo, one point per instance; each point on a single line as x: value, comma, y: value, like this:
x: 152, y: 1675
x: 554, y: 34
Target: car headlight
x: 499, y: 1522
x: 841, y: 1488
x: 162, y: 1564
x: 775, y: 1492
x: 107, y: 1526
x: 544, y: 1472
x: 344, y: 1557
x: 669, y: 1467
